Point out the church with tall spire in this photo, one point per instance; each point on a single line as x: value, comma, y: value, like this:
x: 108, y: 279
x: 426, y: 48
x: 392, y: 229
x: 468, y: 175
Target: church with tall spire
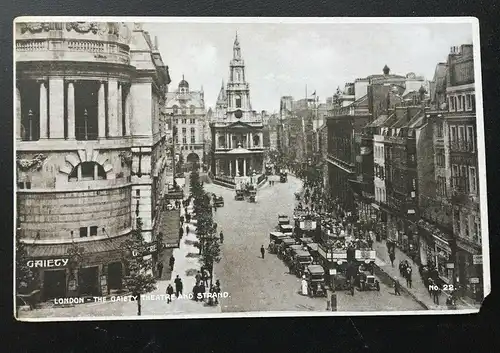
x: 237, y: 129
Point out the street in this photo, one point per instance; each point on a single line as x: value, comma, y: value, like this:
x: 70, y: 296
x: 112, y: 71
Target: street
x: 257, y: 284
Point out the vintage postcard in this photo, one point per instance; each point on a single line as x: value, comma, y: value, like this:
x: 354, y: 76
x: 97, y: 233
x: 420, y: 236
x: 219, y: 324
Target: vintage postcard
x: 248, y: 167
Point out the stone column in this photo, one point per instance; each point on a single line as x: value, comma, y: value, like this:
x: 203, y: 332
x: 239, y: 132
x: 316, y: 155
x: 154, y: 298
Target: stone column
x: 101, y: 112
x: 128, y: 111
x: 230, y: 168
x: 237, y: 167
x: 217, y: 167
x: 230, y: 144
x: 244, y: 167
x: 56, y: 108
x: 71, y: 110
x: 113, y: 107
x: 18, y: 113
x: 120, y: 109
x: 261, y: 139
x: 43, y: 110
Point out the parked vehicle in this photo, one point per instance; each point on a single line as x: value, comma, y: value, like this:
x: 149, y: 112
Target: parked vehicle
x: 275, y: 240
x: 285, y: 243
x: 283, y: 219
x: 315, y: 276
x: 301, y: 259
x: 252, y: 196
x: 283, y: 177
x: 286, y: 229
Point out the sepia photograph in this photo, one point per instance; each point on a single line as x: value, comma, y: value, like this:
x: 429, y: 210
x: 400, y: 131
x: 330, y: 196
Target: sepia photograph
x: 182, y: 167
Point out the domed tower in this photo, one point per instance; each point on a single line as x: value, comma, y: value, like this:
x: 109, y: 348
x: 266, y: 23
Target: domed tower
x: 183, y: 86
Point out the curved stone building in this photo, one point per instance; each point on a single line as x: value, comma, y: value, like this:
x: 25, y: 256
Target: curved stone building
x: 90, y: 148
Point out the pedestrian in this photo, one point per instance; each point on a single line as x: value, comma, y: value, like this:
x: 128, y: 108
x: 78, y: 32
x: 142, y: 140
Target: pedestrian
x: 262, y: 251
x: 181, y: 233
x: 171, y: 262
x: 198, y: 277
x: 187, y: 230
x: 159, y: 267
x: 396, y: 287
x: 205, y: 277
x: 437, y: 293
x: 221, y: 237
x: 170, y: 292
x: 196, y: 290
x: 201, y: 288
x: 392, y: 257
x: 178, y: 286
x: 408, y: 276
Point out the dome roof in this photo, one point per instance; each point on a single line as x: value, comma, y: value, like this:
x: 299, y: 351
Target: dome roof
x: 183, y: 83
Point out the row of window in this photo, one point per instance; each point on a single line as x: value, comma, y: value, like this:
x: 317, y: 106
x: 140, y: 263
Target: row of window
x: 464, y: 179
x: 87, y: 171
x: 379, y: 151
x: 175, y: 110
x: 86, y: 231
x: 441, y: 186
x: 184, y: 121
x: 184, y: 139
x: 462, y: 102
x: 468, y: 226
x: 462, y: 138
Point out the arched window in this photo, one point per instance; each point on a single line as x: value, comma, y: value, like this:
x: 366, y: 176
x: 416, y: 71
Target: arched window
x: 175, y: 109
x: 87, y: 171
x: 192, y: 109
x: 238, y: 101
x: 256, y: 140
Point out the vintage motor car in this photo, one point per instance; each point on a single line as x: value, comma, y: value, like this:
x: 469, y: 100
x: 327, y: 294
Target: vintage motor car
x: 301, y: 259
x: 252, y: 196
x: 219, y: 201
x: 275, y: 239
x: 283, y: 219
x: 239, y: 195
x: 290, y: 252
x: 286, y: 229
x: 283, y: 177
x: 285, y: 243
x: 367, y: 281
x: 315, y: 276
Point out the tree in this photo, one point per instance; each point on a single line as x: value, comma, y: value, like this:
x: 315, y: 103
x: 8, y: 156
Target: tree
x: 26, y: 278
x: 211, y: 254
x: 76, y: 258
x: 140, y: 279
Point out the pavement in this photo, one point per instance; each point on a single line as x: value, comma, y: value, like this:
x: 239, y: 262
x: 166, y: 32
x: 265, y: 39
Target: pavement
x: 256, y: 284
x: 418, y: 291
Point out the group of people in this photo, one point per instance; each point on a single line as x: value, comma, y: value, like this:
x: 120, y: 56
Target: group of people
x: 201, y: 285
x: 405, y: 270
x: 178, y: 289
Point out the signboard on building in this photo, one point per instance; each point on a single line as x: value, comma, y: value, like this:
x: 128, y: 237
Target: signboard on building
x: 362, y: 255
x: 337, y: 255
x: 450, y: 265
x: 477, y: 259
x: 333, y: 271
x: 474, y: 280
x: 150, y: 249
x: 307, y: 225
x: 47, y: 263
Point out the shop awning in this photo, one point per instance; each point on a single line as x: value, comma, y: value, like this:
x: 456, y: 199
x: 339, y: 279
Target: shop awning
x: 89, y: 247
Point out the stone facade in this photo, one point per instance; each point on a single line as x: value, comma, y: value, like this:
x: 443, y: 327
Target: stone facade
x: 237, y: 129
x: 186, y: 108
x: 90, y: 144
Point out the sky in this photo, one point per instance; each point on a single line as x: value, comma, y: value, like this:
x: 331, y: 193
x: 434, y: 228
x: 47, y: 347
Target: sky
x: 282, y: 58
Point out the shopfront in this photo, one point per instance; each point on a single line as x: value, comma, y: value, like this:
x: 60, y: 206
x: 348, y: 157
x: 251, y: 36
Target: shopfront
x: 444, y: 260
x: 470, y: 270
x: 97, y: 270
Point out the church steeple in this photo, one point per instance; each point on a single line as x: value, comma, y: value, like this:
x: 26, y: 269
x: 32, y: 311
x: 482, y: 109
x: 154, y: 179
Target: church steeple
x: 236, y: 48
x: 221, y: 99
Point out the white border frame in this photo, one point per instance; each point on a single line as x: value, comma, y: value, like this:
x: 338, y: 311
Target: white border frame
x: 480, y: 143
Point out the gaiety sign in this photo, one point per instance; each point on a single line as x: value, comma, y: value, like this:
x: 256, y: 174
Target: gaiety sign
x: 50, y: 263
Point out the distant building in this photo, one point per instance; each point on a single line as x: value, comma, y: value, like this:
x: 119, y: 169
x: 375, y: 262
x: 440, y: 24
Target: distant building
x: 186, y: 108
x: 237, y: 129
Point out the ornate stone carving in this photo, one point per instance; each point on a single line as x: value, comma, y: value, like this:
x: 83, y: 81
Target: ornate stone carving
x: 84, y: 27
x: 35, y: 27
x: 126, y: 157
x: 31, y: 164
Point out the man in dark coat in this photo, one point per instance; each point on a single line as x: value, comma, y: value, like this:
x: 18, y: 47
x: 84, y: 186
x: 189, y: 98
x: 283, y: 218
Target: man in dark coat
x: 221, y: 237
x: 171, y: 262
x: 392, y: 257
x: 408, y: 276
x: 262, y: 251
x: 178, y: 286
x: 170, y: 292
x: 396, y: 287
x: 159, y: 267
x: 181, y: 232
